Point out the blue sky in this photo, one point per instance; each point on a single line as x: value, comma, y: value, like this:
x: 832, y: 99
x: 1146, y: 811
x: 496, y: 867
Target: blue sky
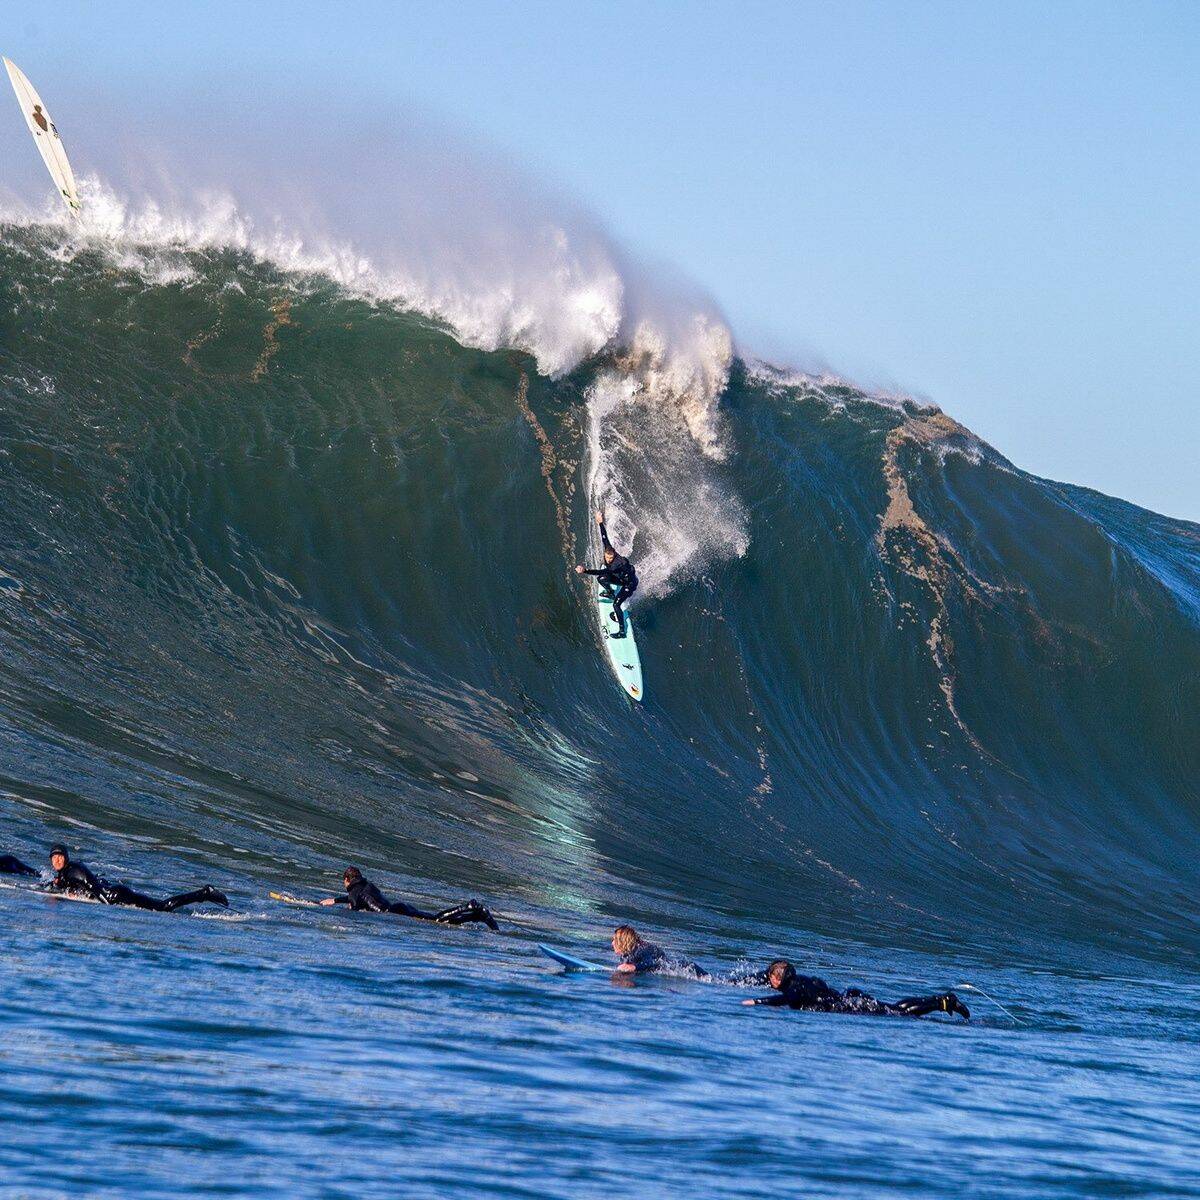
x: 995, y: 206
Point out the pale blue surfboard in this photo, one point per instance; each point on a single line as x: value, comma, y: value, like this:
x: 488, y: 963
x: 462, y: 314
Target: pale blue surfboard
x: 622, y: 651
x: 570, y: 961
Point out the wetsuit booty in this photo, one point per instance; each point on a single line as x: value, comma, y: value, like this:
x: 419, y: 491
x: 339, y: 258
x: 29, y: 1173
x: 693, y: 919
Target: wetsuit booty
x: 952, y: 1004
x: 462, y: 914
x: 922, y: 1006
x: 484, y: 914
x: 205, y: 895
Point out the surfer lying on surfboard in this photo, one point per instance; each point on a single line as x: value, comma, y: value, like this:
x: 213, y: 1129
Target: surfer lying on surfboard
x: 810, y: 994
x: 74, y: 879
x: 643, y: 957
x: 617, y: 570
x: 363, y: 896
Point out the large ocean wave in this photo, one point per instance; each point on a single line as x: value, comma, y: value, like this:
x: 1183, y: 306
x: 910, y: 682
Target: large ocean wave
x: 287, y: 533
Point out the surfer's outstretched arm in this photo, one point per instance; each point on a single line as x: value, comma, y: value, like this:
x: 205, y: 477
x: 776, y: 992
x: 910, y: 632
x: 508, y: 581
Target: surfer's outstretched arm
x: 778, y: 1000
x: 604, y: 532
x: 11, y: 865
x: 342, y: 899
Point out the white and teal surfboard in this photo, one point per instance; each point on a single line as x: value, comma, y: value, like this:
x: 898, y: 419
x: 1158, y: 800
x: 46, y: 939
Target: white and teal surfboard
x: 622, y: 651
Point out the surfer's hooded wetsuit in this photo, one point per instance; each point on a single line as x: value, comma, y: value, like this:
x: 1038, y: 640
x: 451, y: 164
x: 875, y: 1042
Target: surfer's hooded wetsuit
x: 362, y: 895
x: 620, y: 573
x: 76, y: 880
x: 11, y: 865
x: 807, y: 993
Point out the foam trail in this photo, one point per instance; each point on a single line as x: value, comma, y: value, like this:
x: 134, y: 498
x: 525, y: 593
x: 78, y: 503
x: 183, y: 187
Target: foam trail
x: 662, y: 496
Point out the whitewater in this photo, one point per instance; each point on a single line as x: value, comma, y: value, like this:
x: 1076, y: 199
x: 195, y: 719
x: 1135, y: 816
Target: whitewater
x: 293, y: 484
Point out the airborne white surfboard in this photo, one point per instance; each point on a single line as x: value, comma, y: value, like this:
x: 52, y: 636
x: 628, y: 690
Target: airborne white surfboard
x: 45, y: 135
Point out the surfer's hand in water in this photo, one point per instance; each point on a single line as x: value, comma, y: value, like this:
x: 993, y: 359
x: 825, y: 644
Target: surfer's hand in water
x: 599, y: 516
x: 625, y: 968
x: 750, y: 1002
x: 579, y: 568
x: 328, y: 900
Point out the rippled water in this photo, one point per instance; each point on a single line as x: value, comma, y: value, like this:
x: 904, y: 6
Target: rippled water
x: 306, y: 1053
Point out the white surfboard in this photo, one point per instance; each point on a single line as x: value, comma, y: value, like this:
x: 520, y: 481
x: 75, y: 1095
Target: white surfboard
x: 622, y: 651
x: 288, y: 898
x: 45, y: 135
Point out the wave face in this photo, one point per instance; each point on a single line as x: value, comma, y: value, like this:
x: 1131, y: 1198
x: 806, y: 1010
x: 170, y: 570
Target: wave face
x: 286, y: 582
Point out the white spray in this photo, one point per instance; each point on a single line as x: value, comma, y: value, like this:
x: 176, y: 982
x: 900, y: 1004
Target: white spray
x: 408, y: 212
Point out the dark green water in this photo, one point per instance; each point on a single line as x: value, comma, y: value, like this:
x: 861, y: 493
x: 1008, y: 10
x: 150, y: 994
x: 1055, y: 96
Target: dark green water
x: 285, y: 583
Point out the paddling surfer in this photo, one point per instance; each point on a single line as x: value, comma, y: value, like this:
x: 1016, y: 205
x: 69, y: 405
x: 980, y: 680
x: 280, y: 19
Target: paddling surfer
x: 807, y: 993
x: 641, y: 957
x: 74, y: 879
x: 363, y: 896
x: 617, y: 571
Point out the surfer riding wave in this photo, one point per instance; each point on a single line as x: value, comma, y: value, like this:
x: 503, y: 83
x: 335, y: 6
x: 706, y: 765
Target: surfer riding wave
x: 618, y: 571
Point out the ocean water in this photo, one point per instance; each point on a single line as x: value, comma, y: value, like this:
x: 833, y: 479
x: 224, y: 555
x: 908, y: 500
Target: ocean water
x: 308, y: 1053
x: 286, y: 583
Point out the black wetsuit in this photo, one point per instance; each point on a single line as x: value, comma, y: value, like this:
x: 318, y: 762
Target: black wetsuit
x: 363, y: 896
x: 618, y: 573
x: 807, y: 993
x: 11, y: 865
x: 648, y: 959
x: 76, y: 880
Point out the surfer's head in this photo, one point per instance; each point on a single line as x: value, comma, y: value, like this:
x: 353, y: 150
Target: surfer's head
x: 59, y: 856
x: 625, y: 940
x: 609, y: 554
x: 351, y: 875
x: 779, y: 972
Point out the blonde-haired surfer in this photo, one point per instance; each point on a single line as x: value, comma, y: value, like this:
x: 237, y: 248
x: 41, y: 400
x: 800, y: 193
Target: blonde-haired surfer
x: 642, y: 957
